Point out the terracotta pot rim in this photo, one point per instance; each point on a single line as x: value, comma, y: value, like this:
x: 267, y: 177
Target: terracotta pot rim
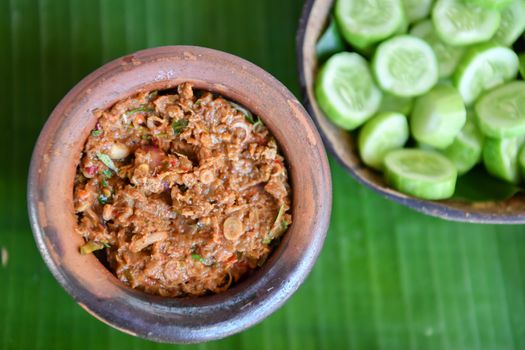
x: 187, y: 320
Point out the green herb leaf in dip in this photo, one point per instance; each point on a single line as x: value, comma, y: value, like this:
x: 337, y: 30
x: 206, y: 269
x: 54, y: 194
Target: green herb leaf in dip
x: 247, y: 114
x: 102, y: 199
x: 107, y: 173
x: 179, y: 126
x: 278, y: 228
x: 254, y: 120
x: 90, y: 247
x: 140, y: 109
x: 104, y: 158
x: 199, y: 258
x: 96, y: 133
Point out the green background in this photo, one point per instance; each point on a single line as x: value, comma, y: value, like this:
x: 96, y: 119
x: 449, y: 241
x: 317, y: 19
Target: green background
x: 387, y: 278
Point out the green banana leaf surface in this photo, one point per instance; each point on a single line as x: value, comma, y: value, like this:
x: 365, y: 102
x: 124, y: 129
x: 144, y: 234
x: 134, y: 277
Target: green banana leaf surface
x: 387, y: 278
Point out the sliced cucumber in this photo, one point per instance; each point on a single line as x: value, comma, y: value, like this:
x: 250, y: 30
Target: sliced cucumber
x: 416, y: 10
x: 346, y: 90
x: 501, y: 112
x: 381, y: 134
x: 465, y: 151
x: 458, y: 23
x: 403, y: 28
x: 512, y: 23
x: 405, y: 66
x: 420, y: 173
x: 364, y: 23
x: 483, y: 67
x: 331, y: 42
x: 438, y: 117
x: 392, y: 103
x: 490, y: 4
x: 447, y: 56
x: 500, y: 157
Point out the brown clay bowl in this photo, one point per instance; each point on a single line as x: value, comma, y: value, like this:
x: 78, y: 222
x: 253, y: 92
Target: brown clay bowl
x: 341, y: 144
x: 183, y: 320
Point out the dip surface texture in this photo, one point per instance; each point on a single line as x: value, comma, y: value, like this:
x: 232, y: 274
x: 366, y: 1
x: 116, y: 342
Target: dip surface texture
x: 184, y: 191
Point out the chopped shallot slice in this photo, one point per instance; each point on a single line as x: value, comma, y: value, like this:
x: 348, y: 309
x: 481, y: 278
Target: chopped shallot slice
x: 147, y: 240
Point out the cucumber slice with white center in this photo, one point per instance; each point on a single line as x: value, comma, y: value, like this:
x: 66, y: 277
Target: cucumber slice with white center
x: 438, y: 117
x: 490, y: 4
x: 405, y: 66
x: 501, y: 158
x: 465, y: 151
x: 393, y: 103
x: 381, y: 134
x: 364, y: 22
x: 417, y: 9
x: 420, y: 173
x: 512, y: 23
x: 484, y: 67
x: 447, y: 56
x: 501, y: 112
x: 346, y: 91
x: 458, y: 23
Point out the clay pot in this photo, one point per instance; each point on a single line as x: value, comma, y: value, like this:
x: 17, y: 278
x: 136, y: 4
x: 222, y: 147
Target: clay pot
x: 342, y: 145
x: 183, y: 320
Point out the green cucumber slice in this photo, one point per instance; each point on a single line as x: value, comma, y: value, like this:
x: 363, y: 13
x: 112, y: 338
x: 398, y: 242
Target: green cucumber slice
x: 403, y: 28
x: 405, y: 66
x: 393, y: 103
x: 416, y: 10
x: 458, y: 23
x: 330, y: 43
x: 381, y: 134
x: 438, y: 117
x: 484, y: 67
x: 465, y: 151
x: 500, y: 157
x: 512, y: 23
x: 420, y: 173
x: 447, y: 56
x: 364, y: 23
x: 501, y: 112
x: 346, y: 91
x: 490, y: 4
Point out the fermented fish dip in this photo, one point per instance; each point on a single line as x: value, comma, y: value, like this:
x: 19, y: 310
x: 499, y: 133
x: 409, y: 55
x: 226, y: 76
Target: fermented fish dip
x: 182, y: 191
